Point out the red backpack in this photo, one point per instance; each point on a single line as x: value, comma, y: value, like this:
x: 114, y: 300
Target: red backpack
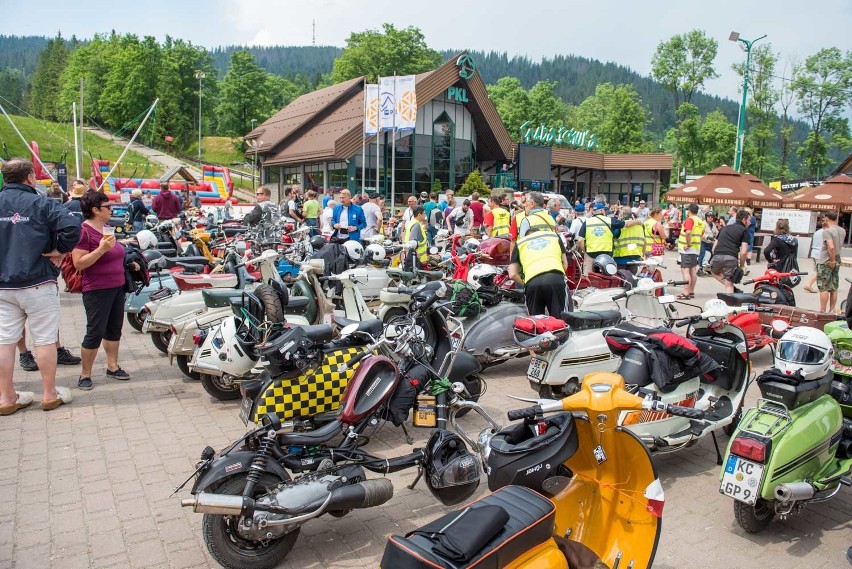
x: 72, y: 277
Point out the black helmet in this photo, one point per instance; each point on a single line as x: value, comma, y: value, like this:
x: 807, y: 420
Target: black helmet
x: 317, y: 242
x: 452, y: 472
x: 519, y: 457
x: 605, y: 265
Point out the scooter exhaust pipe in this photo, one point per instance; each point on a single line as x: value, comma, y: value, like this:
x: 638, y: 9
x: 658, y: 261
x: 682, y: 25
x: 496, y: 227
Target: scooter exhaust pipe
x: 219, y: 504
x: 794, y: 492
x: 207, y: 369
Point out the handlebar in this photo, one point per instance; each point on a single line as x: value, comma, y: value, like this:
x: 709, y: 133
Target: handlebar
x: 525, y: 413
x: 748, y: 282
x: 678, y: 283
x: 688, y: 412
x: 356, y: 359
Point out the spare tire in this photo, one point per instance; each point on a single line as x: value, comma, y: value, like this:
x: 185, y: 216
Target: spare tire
x: 271, y: 303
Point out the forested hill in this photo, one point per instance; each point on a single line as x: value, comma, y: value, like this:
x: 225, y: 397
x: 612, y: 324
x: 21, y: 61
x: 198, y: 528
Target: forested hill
x: 576, y: 76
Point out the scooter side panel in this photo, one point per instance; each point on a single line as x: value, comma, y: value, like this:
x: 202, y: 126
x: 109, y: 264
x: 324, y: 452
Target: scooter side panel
x: 582, y: 353
x: 604, y: 507
x: 493, y: 329
x: 318, y: 391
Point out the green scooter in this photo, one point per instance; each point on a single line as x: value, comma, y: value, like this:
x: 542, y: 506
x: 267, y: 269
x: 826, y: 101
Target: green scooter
x: 795, y: 446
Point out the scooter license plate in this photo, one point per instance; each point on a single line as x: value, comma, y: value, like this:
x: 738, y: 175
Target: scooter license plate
x: 245, y: 410
x: 741, y: 479
x: 536, y: 370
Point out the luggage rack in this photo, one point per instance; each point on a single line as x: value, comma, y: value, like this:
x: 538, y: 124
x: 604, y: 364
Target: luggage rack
x: 783, y: 420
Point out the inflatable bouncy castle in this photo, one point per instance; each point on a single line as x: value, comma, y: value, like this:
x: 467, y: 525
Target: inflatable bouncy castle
x: 215, y: 187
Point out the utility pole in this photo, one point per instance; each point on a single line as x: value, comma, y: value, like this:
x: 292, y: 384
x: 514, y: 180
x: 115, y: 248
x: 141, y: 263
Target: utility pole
x: 199, y: 74
x: 81, y: 126
x: 314, y: 35
x: 741, y: 121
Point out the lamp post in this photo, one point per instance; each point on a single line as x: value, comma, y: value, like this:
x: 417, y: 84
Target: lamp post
x: 199, y: 74
x: 254, y: 145
x: 741, y: 121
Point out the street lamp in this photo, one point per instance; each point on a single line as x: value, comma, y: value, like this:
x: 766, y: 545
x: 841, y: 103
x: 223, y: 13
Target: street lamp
x: 254, y: 145
x: 741, y: 121
x: 199, y: 74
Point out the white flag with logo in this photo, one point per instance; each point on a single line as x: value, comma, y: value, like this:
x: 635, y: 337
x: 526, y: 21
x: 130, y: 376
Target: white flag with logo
x: 371, y: 110
x: 387, y: 103
x: 406, y: 103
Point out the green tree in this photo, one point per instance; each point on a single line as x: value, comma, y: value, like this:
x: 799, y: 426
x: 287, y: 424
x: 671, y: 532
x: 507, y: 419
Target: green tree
x: 762, y: 119
x: 473, y: 183
x: 512, y: 103
x: 684, y: 63
x: 786, y: 97
x: 13, y: 86
x: 545, y: 106
x: 688, y: 137
x: 823, y: 87
x: 46, y: 80
x: 245, y: 95
x: 281, y: 92
x: 718, y: 136
x: 374, y: 54
x: 616, y: 116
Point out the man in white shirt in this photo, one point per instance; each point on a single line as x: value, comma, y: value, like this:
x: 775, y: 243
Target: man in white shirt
x: 325, y: 218
x: 373, y: 214
x: 642, y: 213
x: 579, y: 217
x: 409, y: 211
x: 463, y: 218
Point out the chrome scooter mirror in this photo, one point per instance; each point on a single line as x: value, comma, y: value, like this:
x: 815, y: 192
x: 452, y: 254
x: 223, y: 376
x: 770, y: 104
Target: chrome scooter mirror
x: 348, y: 330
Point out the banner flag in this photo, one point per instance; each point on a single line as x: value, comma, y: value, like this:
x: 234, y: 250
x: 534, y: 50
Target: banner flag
x: 406, y: 103
x: 371, y: 110
x: 387, y: 103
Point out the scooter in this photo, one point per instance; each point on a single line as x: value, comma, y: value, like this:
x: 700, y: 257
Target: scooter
x: 253, y: 509
x: 573, y: 489
x: 793, y: 448
x: 574, y: 345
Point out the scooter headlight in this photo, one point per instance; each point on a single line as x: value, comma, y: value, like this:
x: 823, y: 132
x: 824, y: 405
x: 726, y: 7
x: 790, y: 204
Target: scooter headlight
x: 844, y: 355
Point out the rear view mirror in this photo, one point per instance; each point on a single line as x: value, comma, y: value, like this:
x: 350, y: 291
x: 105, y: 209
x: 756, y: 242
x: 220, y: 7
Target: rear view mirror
x: 348, y: 330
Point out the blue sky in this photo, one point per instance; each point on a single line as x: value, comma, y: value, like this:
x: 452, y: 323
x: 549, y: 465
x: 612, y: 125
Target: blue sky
x: 624, y: 31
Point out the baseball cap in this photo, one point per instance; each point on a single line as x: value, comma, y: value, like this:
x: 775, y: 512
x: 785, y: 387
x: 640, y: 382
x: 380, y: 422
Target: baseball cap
x: 579, y: 208
x: 641, y: 201
x: 598, y: 205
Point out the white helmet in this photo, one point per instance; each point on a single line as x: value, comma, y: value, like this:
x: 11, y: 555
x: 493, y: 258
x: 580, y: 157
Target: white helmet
x: 375, y: 252
x: 804, y: 349
x: 477, y: 272
x: 146, y: 239
x: 229, y: 356
x: 472, y: 245
x: 354, y: 249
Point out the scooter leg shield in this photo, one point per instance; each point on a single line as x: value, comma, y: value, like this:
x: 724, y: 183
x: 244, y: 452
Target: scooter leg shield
x: 604, y: 507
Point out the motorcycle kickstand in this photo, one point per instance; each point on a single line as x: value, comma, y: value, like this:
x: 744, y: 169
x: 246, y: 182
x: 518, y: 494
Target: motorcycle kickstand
x: 410, y: 441
x: 716, y: 444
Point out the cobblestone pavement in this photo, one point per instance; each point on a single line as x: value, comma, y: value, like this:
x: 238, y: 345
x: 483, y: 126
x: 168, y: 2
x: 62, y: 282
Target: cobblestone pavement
x: 89, y: 484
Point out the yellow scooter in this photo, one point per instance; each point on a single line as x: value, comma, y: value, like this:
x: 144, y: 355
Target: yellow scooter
x: 603, y: 501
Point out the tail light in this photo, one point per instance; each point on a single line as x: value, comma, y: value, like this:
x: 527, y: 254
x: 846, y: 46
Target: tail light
x: 749, y: 448
x: 197, y: 338
x: 173, y: 329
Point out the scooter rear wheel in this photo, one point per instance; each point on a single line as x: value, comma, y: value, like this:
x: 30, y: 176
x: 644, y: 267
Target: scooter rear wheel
x: 135, y: 319
x: 753, y: 519
x: 161, y: 340
x: 183, y: 366
x: 232, y: 550
x: 220, y: 389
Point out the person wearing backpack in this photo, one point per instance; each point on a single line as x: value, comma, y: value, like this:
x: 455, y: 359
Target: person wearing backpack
x: 782, y: 249
x: 137, y: 211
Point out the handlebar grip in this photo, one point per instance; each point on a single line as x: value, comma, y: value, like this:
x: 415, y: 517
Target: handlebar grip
x: 619, y: 296
x: 688, y: 412
x: 429, y: 301
x: 800, y: 273
x: 684, y: 322
x: 405, y: 290
x: 356, y: 359
x: 679, y: 283
x: 748, y: 282
x: 525, y: 413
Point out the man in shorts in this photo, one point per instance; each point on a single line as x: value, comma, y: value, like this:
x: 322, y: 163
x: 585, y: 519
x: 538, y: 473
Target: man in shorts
x: 828, y: 265
x: 689, y: 244
x: 35, y: 233
x: 730, y: 251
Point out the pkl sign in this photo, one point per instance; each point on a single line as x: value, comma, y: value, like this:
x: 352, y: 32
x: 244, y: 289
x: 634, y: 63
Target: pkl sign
x: 457, y: 94
x: 558, y: 136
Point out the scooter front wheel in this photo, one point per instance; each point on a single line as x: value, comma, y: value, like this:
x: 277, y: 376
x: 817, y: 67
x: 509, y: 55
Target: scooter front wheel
x: 754, y: 519
x: 234, y: 551
x: 220, y: 388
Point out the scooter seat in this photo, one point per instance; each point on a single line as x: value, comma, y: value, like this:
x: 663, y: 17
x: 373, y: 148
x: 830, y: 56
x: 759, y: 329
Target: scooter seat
x: 231, y: 231
x: 430, y: 275
x: 531, y: 523
x: 191, y: 268
x: 172, y: 262
x: 296, y: 304
x: 373, y: 326
x: 219, y: 297
x: 404, y: 276
x: 319, y: 333
x: 587, y: 320
x: 740, y: 298
x: 312, y: 438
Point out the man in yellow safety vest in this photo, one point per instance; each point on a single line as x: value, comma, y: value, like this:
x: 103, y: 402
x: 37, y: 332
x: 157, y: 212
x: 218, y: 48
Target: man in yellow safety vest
x: 538, y: 262
x: 414, y: 231
x: 599, y: 231
x: 688, y: 245
x: 498, y: 219
x: 629, y: 246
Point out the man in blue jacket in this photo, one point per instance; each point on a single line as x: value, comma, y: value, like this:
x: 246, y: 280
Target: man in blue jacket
x: 35, y: 233
x: 347, y: 219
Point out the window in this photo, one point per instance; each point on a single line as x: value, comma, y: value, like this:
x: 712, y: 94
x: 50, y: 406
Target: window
x: 443, y: 131
x: 338, y: 176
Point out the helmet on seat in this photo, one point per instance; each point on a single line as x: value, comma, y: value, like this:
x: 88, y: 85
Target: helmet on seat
x: 375, y: 252
x: 605, y: 265
x: 146, y: 239
x: 317, y: 242
x: 480, y: 275
x: 354, y: 249
x: 516, y: 456
x: 452, y: 472
x: 472, y: 245
x: 804, y: 349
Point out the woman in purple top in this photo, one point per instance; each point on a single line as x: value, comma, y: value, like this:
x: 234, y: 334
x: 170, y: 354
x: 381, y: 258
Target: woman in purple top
x: 100, y: 259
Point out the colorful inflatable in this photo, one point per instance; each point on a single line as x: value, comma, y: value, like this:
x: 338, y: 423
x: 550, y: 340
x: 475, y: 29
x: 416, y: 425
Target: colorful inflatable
x: 215, y: 188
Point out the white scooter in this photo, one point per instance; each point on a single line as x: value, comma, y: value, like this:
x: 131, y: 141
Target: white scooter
x: 223, y: 363
x: 580, y: 347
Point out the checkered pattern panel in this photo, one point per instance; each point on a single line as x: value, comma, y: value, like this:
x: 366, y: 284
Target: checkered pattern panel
x: 315, y: 392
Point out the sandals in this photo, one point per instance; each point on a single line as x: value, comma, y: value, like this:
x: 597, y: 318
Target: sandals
x: 684, y: 296
x: 25, y: 398
x: 64, y: 396
x: 811, y: 290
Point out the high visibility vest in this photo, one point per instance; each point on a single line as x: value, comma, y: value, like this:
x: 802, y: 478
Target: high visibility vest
x: 694, y: 236
x: 501, y: 222
x: 599, y: 237
x: 422, y: 246
x: 633, y: 235
x: 541, y: 222
x: 540, y: 252
x: 650, y: 236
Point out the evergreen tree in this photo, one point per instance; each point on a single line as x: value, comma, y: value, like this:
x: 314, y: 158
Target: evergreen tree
x: 245, y: 95
x: 46, y: 79
x: 473, y: 183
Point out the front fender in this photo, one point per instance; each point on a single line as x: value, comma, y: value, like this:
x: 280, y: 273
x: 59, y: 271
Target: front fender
x: 464, y: 366
x: 237, y: 462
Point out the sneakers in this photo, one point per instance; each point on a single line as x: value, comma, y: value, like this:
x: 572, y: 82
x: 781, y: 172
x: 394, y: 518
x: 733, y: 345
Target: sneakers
x: 84, y: 383
x: 66, y: 358
x: 27, y: 361
x: 118, y: 374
